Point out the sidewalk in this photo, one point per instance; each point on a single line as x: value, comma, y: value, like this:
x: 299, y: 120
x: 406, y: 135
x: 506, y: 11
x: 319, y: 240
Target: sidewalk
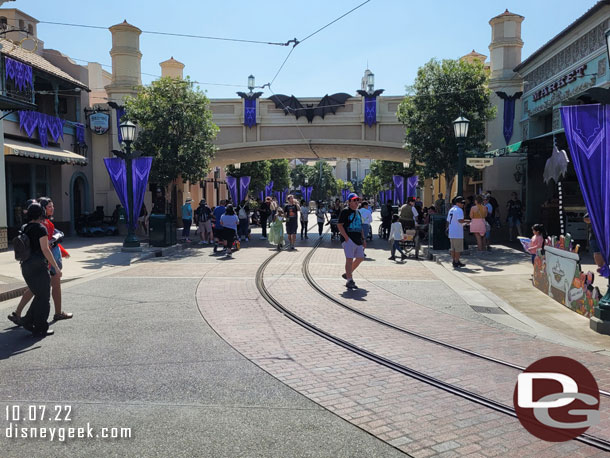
x: 87, y: 256
x: 506, y: 273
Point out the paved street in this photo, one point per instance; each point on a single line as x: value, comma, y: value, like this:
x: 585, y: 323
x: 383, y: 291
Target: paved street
x: 185, y: 351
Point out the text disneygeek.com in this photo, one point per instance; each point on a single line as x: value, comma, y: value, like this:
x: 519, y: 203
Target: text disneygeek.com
x: 26, y: 422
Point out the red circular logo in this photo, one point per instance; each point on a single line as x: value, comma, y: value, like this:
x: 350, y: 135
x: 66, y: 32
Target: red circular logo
x: 556, y: 399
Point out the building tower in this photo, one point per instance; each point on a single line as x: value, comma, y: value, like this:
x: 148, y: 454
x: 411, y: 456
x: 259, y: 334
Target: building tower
x: 126, y: 57
x: 172, y: 68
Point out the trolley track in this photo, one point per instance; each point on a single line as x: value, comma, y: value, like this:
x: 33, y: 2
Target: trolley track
x: 499, y: 407
x: 311, y: 281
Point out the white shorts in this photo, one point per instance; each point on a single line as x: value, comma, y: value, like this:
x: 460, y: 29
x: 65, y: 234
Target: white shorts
x: 352, y: 250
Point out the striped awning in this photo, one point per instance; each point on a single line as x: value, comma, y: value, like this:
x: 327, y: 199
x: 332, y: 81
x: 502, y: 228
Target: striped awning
x: 23, y: 149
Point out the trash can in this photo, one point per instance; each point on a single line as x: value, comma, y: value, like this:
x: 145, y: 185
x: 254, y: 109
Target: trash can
x: 162, y: 230
x: 437, y: 235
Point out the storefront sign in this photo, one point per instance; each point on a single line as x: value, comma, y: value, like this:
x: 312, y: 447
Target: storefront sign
x: 561, y: 82
x: 98, y: 123
x: 479, y: 162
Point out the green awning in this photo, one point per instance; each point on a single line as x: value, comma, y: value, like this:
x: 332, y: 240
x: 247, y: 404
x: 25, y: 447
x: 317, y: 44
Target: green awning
x: 510, y: 150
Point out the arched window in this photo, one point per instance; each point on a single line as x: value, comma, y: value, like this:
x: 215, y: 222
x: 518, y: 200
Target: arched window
x: 30, y: 29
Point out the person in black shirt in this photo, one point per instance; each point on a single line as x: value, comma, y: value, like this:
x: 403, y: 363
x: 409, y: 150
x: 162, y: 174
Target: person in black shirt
x: 515, y: 215
x: 292, y: 211
x: 265, y: 212
x: 35, y: 271
x: 354, y: 243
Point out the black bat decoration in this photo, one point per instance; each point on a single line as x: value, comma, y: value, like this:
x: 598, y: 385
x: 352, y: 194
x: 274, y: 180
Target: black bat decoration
x: 255, y: 95
x: 504, y: 96
x: 328, y: 104
x: 366, y: 94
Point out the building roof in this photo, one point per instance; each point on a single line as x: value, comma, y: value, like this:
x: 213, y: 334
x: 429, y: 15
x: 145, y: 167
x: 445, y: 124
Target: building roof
x: 506, y: 13
x: 16, y: 52
x: 590, y: 12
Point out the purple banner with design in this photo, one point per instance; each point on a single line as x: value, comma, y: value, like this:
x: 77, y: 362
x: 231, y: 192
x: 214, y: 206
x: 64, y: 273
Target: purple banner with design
x: 19, y: 72
x: 309, y: 191
x: 509, y: 118
x: 587, y: 129
x: 232, y: 186
x: 261, y: 195
x: 412, y: 186
x: 278, y: 197
x: 29, y: 121
x: 140, y: 169
x: 244, y: 185
x: 399, y: 186
x: 388, y: 195
x: 370, y: 110
x: 120, y: 111
x: 250, y: 112
x: 118, y: 176
x: 344, y: 193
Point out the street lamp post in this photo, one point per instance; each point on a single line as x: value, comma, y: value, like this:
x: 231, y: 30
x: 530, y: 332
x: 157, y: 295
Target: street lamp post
x: 460, y: 128
x: 128, y: 132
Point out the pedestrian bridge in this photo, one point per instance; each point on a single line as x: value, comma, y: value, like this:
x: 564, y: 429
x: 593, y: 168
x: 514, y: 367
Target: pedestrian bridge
x: 277, y: 135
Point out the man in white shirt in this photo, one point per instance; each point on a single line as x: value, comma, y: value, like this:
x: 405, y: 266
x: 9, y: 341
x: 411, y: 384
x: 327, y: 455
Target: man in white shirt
x: 367, y: 218
x: 455, y: 221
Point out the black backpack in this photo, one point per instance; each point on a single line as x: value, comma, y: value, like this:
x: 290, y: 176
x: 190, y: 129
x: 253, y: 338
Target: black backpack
x: 21, y: 245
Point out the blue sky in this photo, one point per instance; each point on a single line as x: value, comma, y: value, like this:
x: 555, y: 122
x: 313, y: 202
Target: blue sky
x: 394, y: 36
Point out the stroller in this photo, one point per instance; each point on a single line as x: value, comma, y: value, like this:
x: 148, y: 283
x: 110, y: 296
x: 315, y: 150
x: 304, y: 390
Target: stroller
x: 334, y: 230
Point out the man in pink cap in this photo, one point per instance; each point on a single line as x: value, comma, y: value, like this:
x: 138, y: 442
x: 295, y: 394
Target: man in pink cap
x: 354, y: 242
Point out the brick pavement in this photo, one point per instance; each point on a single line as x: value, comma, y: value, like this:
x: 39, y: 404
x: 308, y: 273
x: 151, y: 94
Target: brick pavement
x: 408, y: 414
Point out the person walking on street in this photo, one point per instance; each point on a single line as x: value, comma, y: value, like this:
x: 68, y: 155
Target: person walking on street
x: 291, y: 211
x: 396, y: 235
x: 354, y: 243
x: 265, y: 212
x: 439, y: 204
x: 304, y: 218
x: 455, y: 221
x: 489, y: 221
x: 321, y: 217
x: 408, y: 214
x: 217, y: 229
x: 367, y: 218
x: 35, y: 271
x: 58, y: 253
x: 229, y: 222
x: 386, y: 219
x: 515, y: 215
x: 187, y: 219
x: 203, y: 219
x: 243, y: 212
x: 478, y: 213
x: 276, y: 230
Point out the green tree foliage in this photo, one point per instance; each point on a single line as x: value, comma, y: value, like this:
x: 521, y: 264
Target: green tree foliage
x: 176, y: 128
x: 258, y: 171
x: 280, y: 173
x: 343, y: 185
x: 323, y: 182
x: 442, y: 92
x: 371, y: 185
x: 300, y: 172
x: 385, y: 170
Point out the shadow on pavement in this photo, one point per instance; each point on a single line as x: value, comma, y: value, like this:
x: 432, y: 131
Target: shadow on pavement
x: 356, y: 294
x: 15, y: 341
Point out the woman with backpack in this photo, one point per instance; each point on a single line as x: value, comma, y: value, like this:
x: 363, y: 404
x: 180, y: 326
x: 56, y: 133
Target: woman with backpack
x: 35, y: 271
x: 58, y: 253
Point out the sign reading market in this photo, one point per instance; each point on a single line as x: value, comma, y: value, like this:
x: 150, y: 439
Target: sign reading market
x: 561, y: 82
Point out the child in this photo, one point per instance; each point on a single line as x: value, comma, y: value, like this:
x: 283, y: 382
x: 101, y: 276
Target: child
x: 395, y: 238
x: 538, y: 240
x: 276, y: 233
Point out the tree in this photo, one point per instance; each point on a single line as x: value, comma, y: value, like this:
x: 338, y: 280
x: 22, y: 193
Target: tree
x: 442, y: 92
x: 343, y: 185
x: 280, y: 173
x: 323, y: 182
x: 258, y: 171
x: 176, y: 128
x: 300, y: 172
x: 371, y: 185
x: 385, y: 170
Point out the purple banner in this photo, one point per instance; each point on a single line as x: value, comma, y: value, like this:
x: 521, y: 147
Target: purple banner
x: 140, y: 168
x: 509, y: 113
x: 19, y: 72
x: 118, y: 176
x: 232, y: 186
x: 412, y: 186
x: 370, y: 110
x: 29, y: 121
x: 278, y: 196
x: 399, y: 186
x: 80, y: 132
x: 381, y: 195
x: 269, y: 189
x: 344, y: 193
x: 587, y: 129
x: 388, y: 195
x: 285, y: 194
x: 309, y: 191
x: 120, y: 111
x: 244, y: 185
x: 261, y: 195
x: 250, y: 112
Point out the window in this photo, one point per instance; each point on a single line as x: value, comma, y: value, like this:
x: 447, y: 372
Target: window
x: 30, y: 29
x: 21, y: 24
x: 3, y: 22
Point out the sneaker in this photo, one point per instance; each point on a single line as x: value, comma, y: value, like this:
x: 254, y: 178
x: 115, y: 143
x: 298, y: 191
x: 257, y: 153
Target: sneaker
x: 455, y: 265
x: 392, y: 258
x: 62, y: 316
x: 351, y: 284
x: 461, y: 264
